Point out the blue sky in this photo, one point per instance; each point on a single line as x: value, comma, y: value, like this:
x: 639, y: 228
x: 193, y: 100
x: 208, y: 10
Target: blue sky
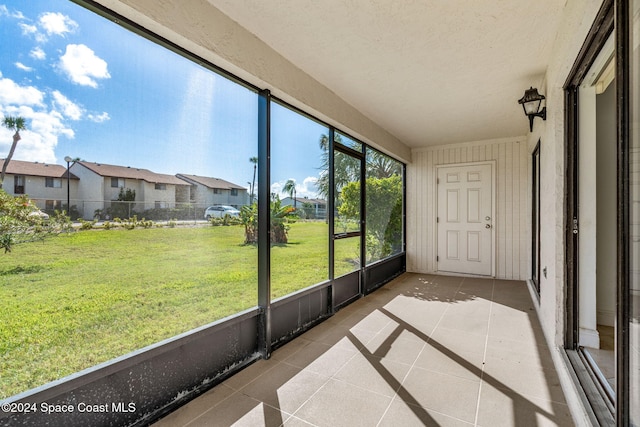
x: 91, y: 89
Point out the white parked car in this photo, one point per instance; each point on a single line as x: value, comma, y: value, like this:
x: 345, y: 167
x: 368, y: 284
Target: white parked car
x: 219, y: 211
x: 39, y: 214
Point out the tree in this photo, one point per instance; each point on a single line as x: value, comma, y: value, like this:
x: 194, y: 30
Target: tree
x: 384, y: 213
x: 290, y: 189
x: 122, y: 207
x: 14, y: 124
x: 381, y: 166
x: 20, y: 223
x: 253, y: 160
x: 309, y: 210
x: 347, y: 168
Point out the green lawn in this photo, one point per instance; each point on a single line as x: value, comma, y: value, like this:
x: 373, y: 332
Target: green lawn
x: 80, y: 299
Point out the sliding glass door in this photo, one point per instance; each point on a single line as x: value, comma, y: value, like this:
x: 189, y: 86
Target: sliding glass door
x: 631, y: 300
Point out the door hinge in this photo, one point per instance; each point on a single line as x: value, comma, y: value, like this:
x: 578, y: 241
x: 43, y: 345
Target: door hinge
x: 437, y: 219
x: 437, y: 258
x: 437, y: 180
x: 575, y: 225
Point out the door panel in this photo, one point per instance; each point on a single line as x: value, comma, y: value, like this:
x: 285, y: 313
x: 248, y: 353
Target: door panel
x: 453, y: 211
x: 473, y: 206
x: 347, y: 224
x: 465, y: 223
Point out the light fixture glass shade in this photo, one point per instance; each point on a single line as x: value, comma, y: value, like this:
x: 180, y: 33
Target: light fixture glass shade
x: 531, y: 107
x: 531, y: 101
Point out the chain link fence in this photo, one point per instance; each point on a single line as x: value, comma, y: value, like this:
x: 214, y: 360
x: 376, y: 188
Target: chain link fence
x: 108, y: 210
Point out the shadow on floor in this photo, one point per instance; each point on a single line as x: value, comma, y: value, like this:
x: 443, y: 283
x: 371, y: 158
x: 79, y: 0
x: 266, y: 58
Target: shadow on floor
x: 422, y: 350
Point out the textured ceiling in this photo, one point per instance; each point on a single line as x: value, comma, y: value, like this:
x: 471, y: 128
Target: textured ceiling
x: 430, y: 72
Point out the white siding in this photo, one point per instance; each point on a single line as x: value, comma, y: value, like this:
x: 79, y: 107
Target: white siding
x: 512, y: 222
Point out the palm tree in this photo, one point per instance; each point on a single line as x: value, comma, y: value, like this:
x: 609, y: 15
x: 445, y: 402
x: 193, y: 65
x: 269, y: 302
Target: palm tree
x: 253, y: 160
x: 290, y: 189
x: 15, y: 124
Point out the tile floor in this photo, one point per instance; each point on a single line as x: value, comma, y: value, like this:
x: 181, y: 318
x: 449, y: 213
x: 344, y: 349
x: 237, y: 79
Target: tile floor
x: 422, y: 350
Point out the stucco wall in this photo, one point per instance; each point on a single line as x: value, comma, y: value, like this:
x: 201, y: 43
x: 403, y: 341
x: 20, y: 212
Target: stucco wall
x: 151, y: 196
x: 576, y: 22
x: 90, y: 195
x: 36, y: 189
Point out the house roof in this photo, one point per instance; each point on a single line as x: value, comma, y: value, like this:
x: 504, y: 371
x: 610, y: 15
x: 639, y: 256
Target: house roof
x: 314, y: 201
x: 210, y: 182
x: 48, y: 170
x: 307, y: 200
x: 129, y: 172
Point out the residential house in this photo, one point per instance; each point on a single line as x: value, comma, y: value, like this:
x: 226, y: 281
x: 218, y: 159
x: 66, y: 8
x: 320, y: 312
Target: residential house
x: 45, y: 183
x: 101, y: 184
x: 207, y: 191
x: 313, y: 208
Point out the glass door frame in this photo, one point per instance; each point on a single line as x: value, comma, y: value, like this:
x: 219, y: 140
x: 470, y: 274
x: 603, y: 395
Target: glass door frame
x: 356, y: 275
x: 601, y: 30
x: 624, y: 54
x: 615, y: 16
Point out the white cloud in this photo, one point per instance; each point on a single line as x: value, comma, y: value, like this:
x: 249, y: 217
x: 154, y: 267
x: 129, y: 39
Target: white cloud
x: 41, y: 137
x: 82, y: 65
x: 309, y: 187
x: 306, y: 189
x: 28, y: 29
x: 68, y: 107
x: 5, y: 12
x: 14, y: 94
x: 22, y: 67
x: 44, y: 127
x: 56, y: 23
x: 99, y: 118
x: 37, y: 53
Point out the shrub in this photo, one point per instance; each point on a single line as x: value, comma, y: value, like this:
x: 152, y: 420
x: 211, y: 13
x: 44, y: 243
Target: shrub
x: 280, y: 217
x: 225, y: 221
x: 146, y: 223
x: 19, y: 225
x: 249, y: 218
x: 86, y: 225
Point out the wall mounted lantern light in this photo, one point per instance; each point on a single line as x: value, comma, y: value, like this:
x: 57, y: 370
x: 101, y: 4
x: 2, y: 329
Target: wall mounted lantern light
x: 531, y: 104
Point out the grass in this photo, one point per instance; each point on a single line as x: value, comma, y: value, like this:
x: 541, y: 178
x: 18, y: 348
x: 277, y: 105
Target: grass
x: 77, y: 300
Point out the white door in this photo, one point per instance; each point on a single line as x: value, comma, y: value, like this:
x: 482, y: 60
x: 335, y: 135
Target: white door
x: 465, y: 219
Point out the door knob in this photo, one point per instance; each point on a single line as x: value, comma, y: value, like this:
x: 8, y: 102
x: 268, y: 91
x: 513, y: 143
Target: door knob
x: 487, y: 226
x: 487, y: 218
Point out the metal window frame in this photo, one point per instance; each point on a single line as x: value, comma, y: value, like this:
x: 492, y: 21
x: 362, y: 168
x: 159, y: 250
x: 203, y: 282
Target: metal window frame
x: 535, y: 216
